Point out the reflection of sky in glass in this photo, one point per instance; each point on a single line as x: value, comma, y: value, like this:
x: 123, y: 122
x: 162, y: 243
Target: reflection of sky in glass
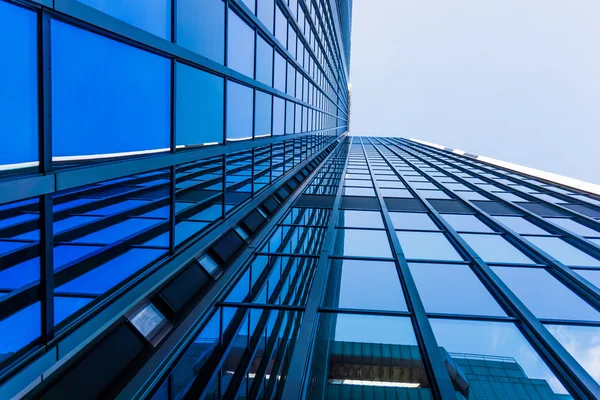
x: 583, y: 343
x: 494, y: 248
x: 563, y: 251
x: 370, y: 285
x: 547, y: 298
x: 453, y: 289
x: 591, y: 275
x: 374, y: 329
x: 371, y: 243
x: 420, y: 221
x: 466, y: 223
x: 427, y: 246
x: 493, y: 339
x: 521, y: 225
x: 363, y: 219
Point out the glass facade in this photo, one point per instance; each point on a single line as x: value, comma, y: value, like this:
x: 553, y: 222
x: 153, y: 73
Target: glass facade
x: 183, y: 215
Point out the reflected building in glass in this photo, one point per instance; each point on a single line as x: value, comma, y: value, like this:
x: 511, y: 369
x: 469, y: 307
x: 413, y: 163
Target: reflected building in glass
x: 183, y: 216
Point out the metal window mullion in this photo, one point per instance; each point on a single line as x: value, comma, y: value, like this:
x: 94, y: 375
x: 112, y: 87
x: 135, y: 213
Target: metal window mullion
x: 441, y: 384
x: 46, y: 217
x: 570, y: 373
x: 571, y: 279
x: 301, y: 358
x: 528, y: 196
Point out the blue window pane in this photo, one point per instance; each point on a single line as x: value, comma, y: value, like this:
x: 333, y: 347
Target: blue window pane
x: 20, y: 329
x: 575, y: 227
x: 264, y: 61
x: 367, y: 243
x: 367, y: 285
x: 266, y: 14
x: 153, y: 16
x: 107, y: 97
x: 374, y: 329
x: 106, y: 276
x: 466, y: 223
x: 582, y: 343
x: 453, y: 289
x: 521, y: 225
x: 289, y: 117
x: 291, y: 80
x: 360, y: 219
x: 298, y: 119
x: 240, y: 45
x: 18, y: 80
x: 494, y: 248
x: 547, y: 298
x: 278, y: 116
x: 201, y: 27
x: 64, y: 307
x: 239, y: 111
x: 280, y: 67
x: 262, y: 124
x: 593, y: 276
x: 281, y: 26
x: 473, y: 344
x: 563, y: 251
x: 427, y: 246
x: 199, y: 106
x: 420, y: 221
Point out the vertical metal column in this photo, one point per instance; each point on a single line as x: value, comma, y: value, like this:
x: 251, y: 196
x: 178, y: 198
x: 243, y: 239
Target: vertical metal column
x: 45, y: 156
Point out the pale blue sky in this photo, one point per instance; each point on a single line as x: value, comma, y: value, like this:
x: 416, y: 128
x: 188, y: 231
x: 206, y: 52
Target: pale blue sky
x: 509, y: 79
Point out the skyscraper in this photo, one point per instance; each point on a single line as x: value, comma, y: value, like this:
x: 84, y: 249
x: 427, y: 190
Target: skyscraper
x: 183, y: 215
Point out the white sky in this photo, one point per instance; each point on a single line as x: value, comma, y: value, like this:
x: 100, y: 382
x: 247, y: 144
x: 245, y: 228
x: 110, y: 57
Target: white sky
x: 510, y: 79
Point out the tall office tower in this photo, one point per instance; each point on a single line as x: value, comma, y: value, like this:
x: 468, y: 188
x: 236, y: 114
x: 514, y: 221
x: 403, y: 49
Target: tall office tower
x: 144, y: 146
x: 183, y: 217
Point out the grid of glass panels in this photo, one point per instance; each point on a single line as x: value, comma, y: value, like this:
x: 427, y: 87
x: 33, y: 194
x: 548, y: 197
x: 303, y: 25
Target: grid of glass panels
x: 105, y: 234
x: 245, y: 347
x: 215, y: 71
x: 93, y: 82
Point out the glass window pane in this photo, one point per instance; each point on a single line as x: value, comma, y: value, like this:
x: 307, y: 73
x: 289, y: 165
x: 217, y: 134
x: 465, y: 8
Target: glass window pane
x: 264, y: 61
x: 18, y: 80
x: 353, y: 354
x: 412, y: 221
x: 521, y: 225
x: 494, y: 248
x: 368, y: 285
x: 547, y: 298
x: 466, y: 223
x: 280, y: 69
x: 281, y: 26
x: 266, y: 13
x: 239, y: 111
x: 262, y: 123
x: 289, y: 117
x: 201, y: 27
x: 427, y: 246
x: 493, y: 351
x: 362, y: 219
x: 153, y: 16
x: 593, y: 276
x: 117, y: 94
x: 582, y: 343
x: 574, y: 227
x: 366, y: 243
x: 563, y: 251
x: 240, y: 45
x: 199, y: 106
x: 453, y: 289
x: 278, y: 116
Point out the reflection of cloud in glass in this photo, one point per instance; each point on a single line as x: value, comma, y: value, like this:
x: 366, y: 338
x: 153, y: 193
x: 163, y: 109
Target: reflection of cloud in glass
x: 583, y: 343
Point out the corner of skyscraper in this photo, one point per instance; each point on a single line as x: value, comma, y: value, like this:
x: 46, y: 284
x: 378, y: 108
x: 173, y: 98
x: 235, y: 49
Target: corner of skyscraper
x: 184, y: 215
